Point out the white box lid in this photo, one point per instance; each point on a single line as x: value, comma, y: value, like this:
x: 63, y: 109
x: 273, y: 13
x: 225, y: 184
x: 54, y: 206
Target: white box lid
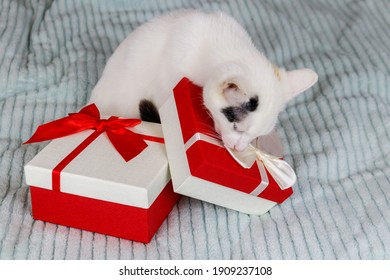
x: 100, y: 172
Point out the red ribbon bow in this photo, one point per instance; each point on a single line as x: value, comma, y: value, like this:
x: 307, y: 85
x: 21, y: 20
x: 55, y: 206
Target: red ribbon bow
x: 126, y: 142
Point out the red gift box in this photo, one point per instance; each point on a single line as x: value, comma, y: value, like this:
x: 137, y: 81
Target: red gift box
x: 106, y: 179
x: 202, y: 168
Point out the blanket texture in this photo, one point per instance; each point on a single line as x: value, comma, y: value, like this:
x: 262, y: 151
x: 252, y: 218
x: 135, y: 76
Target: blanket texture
x: 336, y: 135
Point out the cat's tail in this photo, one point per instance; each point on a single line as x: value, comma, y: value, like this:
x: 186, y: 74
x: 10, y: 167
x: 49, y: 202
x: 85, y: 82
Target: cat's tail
x: 148, y: 111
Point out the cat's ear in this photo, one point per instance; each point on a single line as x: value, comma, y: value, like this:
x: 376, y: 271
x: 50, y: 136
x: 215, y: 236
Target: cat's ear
x: 232, y: 92
x: 299, y: 80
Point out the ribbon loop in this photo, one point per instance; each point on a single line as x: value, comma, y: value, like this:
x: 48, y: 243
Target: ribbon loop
x: 280, y: 170
x: 127, y: 143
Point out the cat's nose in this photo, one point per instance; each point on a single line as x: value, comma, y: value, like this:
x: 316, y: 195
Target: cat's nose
x: 238, y: 148
x: 241, y: 144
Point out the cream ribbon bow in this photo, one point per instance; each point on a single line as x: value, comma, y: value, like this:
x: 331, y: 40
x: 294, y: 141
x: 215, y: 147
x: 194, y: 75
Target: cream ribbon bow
x: 279, y: 169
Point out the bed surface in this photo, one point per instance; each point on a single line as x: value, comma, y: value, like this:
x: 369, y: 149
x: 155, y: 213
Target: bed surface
x: 336, y: 135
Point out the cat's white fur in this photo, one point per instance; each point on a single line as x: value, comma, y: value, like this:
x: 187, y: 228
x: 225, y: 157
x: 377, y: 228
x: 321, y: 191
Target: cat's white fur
x: 213, y: 51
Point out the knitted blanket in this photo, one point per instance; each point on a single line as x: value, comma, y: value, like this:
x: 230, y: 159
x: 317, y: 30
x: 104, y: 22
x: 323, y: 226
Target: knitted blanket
x: 336, y: 136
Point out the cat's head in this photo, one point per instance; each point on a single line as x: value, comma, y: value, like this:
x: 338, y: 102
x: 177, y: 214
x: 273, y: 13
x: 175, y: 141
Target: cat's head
x: 245, y: 103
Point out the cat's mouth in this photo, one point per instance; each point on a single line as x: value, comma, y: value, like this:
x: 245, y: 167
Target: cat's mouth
x: 237, y: 141
x: 240, y: 147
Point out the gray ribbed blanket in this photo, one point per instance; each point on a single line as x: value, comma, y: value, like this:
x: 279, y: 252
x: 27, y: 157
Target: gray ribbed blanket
x: 336, y: 136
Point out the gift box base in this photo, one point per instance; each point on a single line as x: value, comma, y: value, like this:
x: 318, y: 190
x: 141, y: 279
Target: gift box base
x: 104, y: 217
x: 188, y: 184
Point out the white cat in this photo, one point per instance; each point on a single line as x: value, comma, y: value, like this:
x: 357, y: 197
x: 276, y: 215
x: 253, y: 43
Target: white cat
x: 243, y: 91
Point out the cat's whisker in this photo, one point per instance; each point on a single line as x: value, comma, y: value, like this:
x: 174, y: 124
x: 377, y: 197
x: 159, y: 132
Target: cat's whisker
x: 214, y: 135
x: 209, y: 126
x: 208, y: 113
